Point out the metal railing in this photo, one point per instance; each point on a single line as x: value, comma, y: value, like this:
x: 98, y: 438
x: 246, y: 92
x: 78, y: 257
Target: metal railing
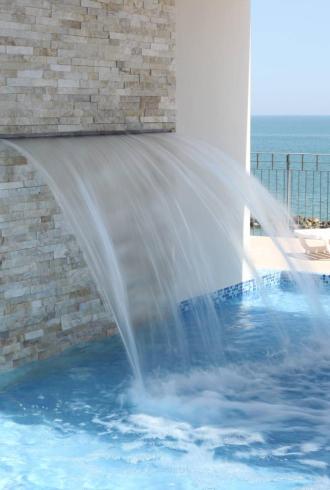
x: 300, y: 181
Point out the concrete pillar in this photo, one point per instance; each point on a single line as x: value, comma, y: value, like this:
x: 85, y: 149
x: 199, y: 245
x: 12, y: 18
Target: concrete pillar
x: 213, y: 84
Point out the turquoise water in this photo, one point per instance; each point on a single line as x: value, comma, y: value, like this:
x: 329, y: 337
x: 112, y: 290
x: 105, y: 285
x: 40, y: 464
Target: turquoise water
x: 259, y: 419
x: 291, y: 134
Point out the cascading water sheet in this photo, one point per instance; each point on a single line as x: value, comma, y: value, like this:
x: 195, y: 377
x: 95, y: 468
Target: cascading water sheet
x: 160, y: 219
x: 226, y: 396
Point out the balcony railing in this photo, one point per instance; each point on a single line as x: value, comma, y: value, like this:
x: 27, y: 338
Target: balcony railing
x: 301, y: 181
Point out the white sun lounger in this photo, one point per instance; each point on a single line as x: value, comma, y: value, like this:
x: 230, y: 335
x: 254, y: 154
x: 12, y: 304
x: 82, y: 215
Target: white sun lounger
x: 314, y: 241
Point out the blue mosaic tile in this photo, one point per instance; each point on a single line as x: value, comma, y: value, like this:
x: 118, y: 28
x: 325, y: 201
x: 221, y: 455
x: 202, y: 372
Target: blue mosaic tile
x: 321, y: 281
x: 267, y: 279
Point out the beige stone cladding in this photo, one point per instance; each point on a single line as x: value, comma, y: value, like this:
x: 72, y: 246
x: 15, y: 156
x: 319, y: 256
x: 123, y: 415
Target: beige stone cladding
x: 48, y: 300
x: 98, y: 65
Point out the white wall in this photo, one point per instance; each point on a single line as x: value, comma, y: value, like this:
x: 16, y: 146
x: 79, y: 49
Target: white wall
x: 213, y: 56
x: 213, y: 74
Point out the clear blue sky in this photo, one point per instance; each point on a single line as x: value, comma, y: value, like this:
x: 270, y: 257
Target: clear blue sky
x: 290, y: 57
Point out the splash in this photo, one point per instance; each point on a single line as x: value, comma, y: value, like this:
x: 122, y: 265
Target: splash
x: 160, y: 218
x: 258, y: 421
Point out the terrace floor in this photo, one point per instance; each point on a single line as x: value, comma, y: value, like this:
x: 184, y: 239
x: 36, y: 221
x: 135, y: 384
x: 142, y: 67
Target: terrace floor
x: 265, y: 255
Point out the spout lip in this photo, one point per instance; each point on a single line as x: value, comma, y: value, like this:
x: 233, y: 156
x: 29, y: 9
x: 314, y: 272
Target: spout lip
x: 61, y: 134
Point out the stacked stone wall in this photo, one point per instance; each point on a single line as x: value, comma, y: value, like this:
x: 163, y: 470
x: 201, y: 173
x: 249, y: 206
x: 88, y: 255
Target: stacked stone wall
x: 48, y: 300
x: 66, y: 66
x: 98, y: 65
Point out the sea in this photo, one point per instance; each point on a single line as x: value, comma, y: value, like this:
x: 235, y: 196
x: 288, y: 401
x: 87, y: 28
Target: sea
x: 304, y: 141
x: 290, y: 134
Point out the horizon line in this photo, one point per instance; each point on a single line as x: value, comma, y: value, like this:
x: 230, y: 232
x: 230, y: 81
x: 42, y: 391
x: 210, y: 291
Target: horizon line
x: 290, y: 115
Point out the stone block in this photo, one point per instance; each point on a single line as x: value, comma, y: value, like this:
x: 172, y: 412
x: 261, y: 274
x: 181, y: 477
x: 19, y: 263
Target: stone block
x: 34, y: 335
x: 19, y: 50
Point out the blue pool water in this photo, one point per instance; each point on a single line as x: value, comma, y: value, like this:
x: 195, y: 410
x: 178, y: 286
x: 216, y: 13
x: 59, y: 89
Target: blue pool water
x: 258, y: 419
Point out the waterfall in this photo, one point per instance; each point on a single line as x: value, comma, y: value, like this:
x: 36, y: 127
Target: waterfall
x: 160, y: 219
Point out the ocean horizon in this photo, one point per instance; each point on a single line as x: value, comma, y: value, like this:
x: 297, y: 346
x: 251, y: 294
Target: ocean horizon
x: 290, y: 134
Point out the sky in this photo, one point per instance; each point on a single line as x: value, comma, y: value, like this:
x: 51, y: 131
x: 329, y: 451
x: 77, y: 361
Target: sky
x: 290, y: 57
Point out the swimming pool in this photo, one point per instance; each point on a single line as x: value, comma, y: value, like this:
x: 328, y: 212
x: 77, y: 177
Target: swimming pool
x: 257, y: 419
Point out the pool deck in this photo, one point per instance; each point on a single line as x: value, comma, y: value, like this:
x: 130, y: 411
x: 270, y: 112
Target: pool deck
x: 265, y: 255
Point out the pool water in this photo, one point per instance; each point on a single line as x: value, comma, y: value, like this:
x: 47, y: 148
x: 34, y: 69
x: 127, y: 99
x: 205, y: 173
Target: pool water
x: 257, y: 419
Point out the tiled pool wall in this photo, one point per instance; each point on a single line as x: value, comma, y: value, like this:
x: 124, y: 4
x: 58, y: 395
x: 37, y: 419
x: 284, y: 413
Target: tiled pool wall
x: 266, y: 281
x: 246, y: 288
x: 271, y: 278
x: 320, y: 281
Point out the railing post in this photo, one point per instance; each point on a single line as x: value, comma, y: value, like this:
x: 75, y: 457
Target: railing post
x: 288, y: 183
